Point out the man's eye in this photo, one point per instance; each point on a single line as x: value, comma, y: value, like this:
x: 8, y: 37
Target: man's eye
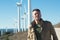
x: 35, y: 13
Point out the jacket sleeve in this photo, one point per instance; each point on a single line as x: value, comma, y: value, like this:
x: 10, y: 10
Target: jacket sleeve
x: 52, y: 31
x: 28, y: 37
x: 31, y: 34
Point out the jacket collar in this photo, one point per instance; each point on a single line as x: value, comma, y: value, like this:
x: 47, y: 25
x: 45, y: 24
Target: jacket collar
x: 40, y: 22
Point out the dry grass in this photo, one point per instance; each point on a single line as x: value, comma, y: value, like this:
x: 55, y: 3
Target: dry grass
x: 19, y: 36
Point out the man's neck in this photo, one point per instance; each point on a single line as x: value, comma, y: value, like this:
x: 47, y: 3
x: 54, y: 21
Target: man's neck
x: 37, y: 21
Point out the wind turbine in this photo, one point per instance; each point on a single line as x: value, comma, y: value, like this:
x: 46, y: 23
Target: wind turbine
x: 6, y: 29
x: 1, y: 32
x: 24, y: 17
x: 19, y: 4
x: 23, y: 20
x: 22, y: 27
x: 29, y: 12
x: 15, y: 25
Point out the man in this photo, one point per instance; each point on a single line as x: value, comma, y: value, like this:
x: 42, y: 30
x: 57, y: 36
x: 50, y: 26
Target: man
x: 40, y: 29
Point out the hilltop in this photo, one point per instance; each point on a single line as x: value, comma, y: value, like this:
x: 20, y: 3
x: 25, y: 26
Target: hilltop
x: 57, y: 25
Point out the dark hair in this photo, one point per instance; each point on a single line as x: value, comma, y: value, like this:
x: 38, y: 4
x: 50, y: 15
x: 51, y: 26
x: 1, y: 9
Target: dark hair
x: 36, y: 10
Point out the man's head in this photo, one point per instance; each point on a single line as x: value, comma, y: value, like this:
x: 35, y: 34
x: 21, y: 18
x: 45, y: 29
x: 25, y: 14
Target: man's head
x: 36, y: 14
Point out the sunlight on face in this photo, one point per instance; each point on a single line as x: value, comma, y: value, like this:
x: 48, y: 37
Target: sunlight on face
x: 36, y: 15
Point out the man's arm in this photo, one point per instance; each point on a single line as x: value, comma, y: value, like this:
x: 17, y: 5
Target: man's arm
x: 31, y: 33
x: 52, y: 30
x: 29, y: 29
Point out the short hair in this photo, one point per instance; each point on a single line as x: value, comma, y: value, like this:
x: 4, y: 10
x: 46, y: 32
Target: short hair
x: 36, y: 10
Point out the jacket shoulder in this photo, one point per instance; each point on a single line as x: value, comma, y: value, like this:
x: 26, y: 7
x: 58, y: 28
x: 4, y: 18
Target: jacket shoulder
x: 47, y: 22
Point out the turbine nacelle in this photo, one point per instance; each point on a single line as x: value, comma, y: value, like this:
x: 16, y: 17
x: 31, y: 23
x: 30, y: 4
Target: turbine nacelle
x: 19, y: 4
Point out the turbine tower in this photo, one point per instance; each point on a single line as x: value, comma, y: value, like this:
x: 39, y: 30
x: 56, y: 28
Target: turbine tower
x: 19, y: 4
x: 29, y: 12
x: 1, y: 32
x: 6, y: 29
x: 15, y: 25
x: 24, y: 18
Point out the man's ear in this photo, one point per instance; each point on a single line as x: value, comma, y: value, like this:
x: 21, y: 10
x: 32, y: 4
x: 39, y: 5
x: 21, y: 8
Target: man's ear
x: 40, y: 15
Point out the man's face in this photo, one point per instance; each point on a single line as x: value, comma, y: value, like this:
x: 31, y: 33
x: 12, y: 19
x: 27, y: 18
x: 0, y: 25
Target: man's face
x: 36, y: 15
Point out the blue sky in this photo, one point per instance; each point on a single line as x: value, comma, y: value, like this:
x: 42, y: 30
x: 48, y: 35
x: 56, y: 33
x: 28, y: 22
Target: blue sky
x: 50, y: 10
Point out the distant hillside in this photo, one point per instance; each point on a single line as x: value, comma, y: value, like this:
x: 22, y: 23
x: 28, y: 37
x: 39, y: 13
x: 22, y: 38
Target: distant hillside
x: 57, y: 25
